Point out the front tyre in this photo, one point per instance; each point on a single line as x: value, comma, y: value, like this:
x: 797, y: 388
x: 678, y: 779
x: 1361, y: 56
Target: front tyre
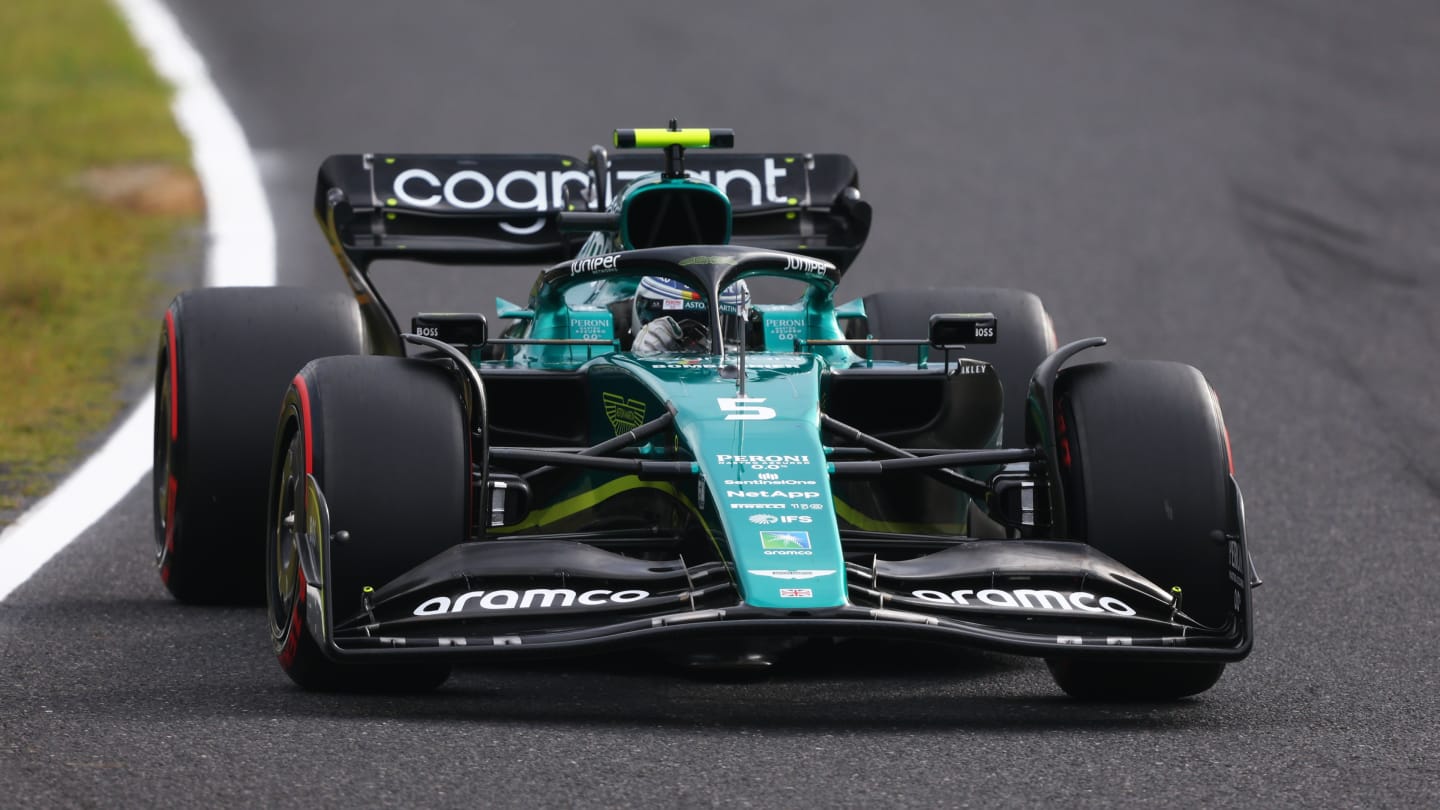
x: 1132, y: 680
x: 1144, y: 466
x: 386, y: 441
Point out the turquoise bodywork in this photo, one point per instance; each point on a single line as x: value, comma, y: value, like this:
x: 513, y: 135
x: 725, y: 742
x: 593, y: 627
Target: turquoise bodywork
x: 763, y: 495
x: 765, y: 477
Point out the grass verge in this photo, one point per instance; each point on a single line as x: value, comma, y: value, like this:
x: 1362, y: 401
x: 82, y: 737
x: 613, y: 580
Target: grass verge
x: 96, y: 185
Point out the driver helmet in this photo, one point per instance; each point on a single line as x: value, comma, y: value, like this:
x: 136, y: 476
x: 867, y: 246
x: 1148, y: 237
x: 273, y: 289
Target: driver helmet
x: 657, y: 296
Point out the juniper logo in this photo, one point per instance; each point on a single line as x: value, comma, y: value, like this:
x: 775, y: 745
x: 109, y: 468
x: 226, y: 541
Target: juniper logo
x: 805, y: 265
x: 594, y: 264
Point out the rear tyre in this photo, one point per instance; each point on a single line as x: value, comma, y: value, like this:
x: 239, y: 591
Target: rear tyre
x: 1026, y: 335
x: 1144, y: 464
x: 225, y: 357
x: 386, y: 439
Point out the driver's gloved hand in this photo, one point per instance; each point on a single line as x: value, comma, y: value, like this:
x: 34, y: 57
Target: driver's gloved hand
x: 659, y: 336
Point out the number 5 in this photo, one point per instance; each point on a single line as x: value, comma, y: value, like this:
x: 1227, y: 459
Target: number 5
x: 737, y: 409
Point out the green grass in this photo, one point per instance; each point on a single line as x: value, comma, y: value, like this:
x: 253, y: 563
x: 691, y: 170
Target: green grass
x: 78, y: 295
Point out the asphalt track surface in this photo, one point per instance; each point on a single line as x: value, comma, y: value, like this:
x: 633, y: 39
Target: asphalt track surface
x: 1251, y: 187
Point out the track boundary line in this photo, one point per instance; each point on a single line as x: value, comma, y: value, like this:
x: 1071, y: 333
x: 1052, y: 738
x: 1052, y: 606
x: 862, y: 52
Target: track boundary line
x: 240, y: 250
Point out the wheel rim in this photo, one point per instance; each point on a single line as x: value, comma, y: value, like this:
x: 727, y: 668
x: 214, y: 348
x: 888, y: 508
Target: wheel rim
x: 163, y: 478
x: 284, y: 581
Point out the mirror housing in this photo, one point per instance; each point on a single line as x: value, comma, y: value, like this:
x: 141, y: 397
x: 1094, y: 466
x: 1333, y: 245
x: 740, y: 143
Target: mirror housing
x: 455, y: 328
x: 956, y: 330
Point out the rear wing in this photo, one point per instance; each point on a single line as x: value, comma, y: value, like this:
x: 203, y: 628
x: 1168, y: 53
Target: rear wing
x: 507, y: 209
x: 448, y: 209
x: 798, y: 203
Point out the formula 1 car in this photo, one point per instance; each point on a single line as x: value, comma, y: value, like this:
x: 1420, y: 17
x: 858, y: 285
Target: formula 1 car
x: 915, y: 464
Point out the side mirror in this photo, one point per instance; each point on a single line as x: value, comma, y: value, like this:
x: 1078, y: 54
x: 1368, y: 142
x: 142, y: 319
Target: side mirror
x: 850, y: 310
x: 455, y: 328
x: 956, y: 330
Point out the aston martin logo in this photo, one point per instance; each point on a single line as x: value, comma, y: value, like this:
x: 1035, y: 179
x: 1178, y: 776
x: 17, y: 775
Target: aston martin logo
x: 624, y: 414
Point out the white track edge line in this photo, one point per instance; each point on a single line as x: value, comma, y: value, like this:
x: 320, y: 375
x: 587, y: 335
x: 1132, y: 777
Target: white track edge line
x: 240, y: 251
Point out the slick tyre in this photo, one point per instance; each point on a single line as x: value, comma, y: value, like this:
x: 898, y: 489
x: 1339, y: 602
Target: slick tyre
x: 386, y: 441
x: 225, y: 357
x: 1025, y: 335
x: 1144, y: 463
x: 1089, y: 679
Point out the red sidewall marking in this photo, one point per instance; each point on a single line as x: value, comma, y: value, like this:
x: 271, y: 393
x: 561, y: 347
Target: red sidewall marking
x: 292, y: 640
x: 304, y: 394
x: 174, y: 379
x: 1062, y: 432
x: 171, y: 487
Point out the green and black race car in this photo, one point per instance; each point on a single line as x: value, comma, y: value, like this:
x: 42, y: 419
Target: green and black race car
x: 916, y: 464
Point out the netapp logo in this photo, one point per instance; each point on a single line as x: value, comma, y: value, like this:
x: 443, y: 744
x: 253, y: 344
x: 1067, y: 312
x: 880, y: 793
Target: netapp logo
x: 1077, y: 602
x: 523, y: 600
x: 771, y: 493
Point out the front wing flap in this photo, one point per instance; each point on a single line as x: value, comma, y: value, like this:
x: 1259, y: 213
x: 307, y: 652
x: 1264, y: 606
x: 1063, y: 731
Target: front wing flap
x: 559, y: 597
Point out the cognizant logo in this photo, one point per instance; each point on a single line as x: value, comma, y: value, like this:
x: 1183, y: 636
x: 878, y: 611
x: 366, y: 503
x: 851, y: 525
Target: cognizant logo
x: 470, y: 190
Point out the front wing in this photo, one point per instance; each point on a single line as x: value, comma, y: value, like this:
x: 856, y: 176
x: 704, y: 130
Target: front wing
x: 550, y: 597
